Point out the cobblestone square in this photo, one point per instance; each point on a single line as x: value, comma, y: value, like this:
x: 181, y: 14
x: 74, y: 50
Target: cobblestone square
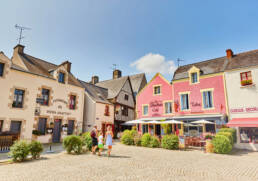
x: 137, y: 163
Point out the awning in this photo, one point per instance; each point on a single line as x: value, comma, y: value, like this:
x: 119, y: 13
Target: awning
x: 154, y: 118
x: 198, y: 117
x: 243, y: 122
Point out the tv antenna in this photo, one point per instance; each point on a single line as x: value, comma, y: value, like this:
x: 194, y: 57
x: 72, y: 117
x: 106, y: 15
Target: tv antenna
x: 178, y: 61
x: 114, y: 66
x: 21, y: 28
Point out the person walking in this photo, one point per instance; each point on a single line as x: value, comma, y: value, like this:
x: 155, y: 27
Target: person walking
x: 100, y: 143
x: 94, y: 139
x: 109, y: 139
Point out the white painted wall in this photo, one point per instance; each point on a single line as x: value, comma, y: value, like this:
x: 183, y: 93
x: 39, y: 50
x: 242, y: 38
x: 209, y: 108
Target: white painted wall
x: 239, y: 96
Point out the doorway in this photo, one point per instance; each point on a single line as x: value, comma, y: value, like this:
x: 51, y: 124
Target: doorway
x: 57, y: 131
x: 70, y: 127
x: 157, y: 129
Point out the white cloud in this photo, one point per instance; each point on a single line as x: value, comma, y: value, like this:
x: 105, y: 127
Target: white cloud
x: 153, y: 63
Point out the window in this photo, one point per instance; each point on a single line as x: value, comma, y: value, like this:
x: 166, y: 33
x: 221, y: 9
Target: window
x: 106, y: 110
x: 18, y: 98
x: 157, y: 90
x: 248, y: 135
x: 15, y: 127
x: 72, y: 102
x: 246, y: 78
x: 126, y: 97
x: 61, y: 77
x: 145, y: 110
x: 45, y: 96
x: 207, y: 99
x: 42, y: 125
x: 168, y: 107
x: 70, y: 127
x: 124, y: 111
x: 1, y: 125
x: 184, y: 102
x: 194, y: 77
x: 1, y: 69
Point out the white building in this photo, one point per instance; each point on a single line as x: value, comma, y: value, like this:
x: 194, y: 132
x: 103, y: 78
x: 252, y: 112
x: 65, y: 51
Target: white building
x: 241, y: 77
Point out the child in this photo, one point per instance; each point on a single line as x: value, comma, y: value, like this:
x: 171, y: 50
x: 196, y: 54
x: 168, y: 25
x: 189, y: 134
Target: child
x: 109, y: 139
x: 100, y: 143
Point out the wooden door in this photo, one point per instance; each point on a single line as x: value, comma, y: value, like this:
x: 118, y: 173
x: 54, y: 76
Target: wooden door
x: 57, y: 131
x: 70, y: 127
x: 15, y: 127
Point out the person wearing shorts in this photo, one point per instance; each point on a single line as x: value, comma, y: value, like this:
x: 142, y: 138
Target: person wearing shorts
x: 109, y: 139
x: 100, y: 143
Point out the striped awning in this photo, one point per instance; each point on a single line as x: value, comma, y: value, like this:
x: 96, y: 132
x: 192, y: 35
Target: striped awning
x: 243, y: 122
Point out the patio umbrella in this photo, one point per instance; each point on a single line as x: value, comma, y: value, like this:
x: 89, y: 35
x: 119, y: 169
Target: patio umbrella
x: 172, y: 121
x: 202, y: 121
x: 154, y: 122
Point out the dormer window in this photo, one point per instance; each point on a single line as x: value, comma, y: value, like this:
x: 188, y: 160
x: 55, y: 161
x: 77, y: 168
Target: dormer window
x: 1, y: 69
x: 194, y: 77
x: 246, y: 78
x: 157, y: 90
x: 61, y: 77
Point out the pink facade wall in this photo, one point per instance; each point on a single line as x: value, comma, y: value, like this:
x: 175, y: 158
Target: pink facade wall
x: 195, y: 97
x: 155, y: 102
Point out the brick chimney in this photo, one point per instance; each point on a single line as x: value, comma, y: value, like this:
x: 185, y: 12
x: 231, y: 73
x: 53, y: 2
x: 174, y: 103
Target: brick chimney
x: 230, y: 53
x: 67, y: 65
x: 18, y: 49
x: 117, y: 74
x: 94, y: 79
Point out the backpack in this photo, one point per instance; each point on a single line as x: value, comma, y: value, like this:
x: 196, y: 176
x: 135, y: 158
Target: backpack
x: 92, y: 134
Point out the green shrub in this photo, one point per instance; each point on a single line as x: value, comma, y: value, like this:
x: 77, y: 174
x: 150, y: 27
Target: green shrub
x: 127, y: 138
x: 231, y: 130
x: 133, y: 132
x: 170, y: 142
x: 86, y: 140
x: 19, y: 151
x: 35, y: 149
x: 73, y: 144
x: 228, y: 135
x: 154, y: 143
x: 137, y: 140
x: 146, y: 139
x: 221, y: 144
x: 208, y: 136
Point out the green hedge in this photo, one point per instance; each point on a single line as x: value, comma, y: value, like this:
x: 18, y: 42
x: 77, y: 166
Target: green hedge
x: 228, y: 135
x: 231, y: 130
x: 146, y: 139
x: 170, y: 142
x: 86, y: 140
x: 73, y: 144
x: 127, y: 137
x: 221, y: 144
x: 154, y: 143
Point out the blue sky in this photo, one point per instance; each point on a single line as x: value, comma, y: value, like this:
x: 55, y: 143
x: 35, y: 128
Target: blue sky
x: 138, y: 35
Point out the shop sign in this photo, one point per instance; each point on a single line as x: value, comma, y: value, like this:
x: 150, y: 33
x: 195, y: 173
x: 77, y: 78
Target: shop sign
x: 58, y: 112
x: 155, y: 105
x: 244, y: 110
x: 196, y: 104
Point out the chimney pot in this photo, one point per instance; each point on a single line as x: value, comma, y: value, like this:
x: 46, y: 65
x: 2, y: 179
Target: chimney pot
x: 230, y: 53
x: 94, y: 79
x: 117, y: 74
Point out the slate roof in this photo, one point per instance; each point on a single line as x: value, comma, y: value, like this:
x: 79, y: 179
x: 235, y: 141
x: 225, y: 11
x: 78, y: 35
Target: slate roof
x: 113, y: 85
x: 136, y: 81
x: 98, y: 94
x: 41, y: 67
x: 221, y: 64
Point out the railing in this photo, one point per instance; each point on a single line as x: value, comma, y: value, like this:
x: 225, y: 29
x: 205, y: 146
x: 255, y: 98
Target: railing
x: 7, y: 140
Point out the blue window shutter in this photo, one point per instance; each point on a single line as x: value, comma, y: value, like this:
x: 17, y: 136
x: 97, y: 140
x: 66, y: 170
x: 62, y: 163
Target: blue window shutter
x: 182, y: 107
x: 204, y: 100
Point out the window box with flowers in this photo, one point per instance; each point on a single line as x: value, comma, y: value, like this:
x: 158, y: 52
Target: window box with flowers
x: 246, y: 82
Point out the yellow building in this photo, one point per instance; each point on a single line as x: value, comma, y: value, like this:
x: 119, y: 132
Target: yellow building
x: 38, y: 97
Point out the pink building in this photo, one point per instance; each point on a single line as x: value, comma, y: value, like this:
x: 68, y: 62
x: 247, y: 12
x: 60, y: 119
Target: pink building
x: 199, y: 93
x: 155, y: 102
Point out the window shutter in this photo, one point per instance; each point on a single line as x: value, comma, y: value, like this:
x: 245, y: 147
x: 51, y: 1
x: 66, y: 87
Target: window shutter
x: 42, y: 125
x: 204, y: 100
x: 182, y: 104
